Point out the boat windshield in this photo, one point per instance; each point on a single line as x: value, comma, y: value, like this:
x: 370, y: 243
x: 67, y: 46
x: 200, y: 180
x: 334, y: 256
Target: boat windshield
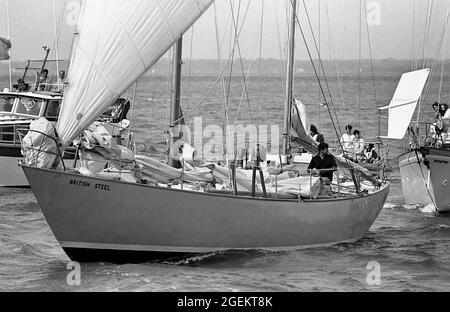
x: 6, y: 103
x: 29, y: 106
x: 53, y: 109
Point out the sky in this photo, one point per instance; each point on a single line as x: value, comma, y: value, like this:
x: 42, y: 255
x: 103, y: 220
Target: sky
x: 397, y: 28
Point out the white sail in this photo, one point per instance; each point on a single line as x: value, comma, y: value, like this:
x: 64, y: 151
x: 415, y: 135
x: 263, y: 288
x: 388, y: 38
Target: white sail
x: 404, y: 102
x: 117, y: 42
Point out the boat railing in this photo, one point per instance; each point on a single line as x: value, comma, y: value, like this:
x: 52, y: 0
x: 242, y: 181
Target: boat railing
x: 426, y: 134
x: 9, y: 134
x: 39, y: 149
x: 50, y: 87
x: 327, y: 190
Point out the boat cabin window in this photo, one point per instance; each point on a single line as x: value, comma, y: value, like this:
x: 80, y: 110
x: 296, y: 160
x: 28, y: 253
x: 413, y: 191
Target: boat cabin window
x: 6, y: 104
x: 52, y: 111
x: 29, y: 106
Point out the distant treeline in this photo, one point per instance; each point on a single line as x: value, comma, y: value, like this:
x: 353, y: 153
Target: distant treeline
x: 277, y: 67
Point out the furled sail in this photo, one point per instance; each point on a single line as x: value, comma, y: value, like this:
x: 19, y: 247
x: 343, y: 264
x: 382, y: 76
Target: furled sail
x: 301, y: 125
x: 404, y: 102
x: 117, y: 42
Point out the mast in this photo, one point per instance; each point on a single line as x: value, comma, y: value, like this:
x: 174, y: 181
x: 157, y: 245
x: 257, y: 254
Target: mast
x: 9, y: 38
x: 289, y: 82
x: 175, y: 109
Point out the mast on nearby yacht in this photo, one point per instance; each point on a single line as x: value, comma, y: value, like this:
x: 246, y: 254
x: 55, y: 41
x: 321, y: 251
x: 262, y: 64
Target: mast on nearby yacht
x: 44, y: 63
x: 175, y: 109
x: 289, y: 82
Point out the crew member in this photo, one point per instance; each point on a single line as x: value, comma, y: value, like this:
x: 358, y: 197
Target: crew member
x: 323, y: 164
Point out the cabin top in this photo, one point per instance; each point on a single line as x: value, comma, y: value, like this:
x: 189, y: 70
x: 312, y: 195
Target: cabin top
x: 29, y: 105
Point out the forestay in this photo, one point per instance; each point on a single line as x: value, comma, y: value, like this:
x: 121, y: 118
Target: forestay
x: 404, y: 102
x: 117, y: 42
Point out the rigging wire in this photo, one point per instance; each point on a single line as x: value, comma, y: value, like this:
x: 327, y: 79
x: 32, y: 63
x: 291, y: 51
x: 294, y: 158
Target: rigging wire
x: 424, y: 56
x: 56, y: 40
x: 233, y: 49
x: 320, y: 72
x: 8, y: 25
x: 333, y: 51
x: 444, y: 52
x: 377, y: 104
x: 260, y: 61
x: 190, y: 112
x: 280, y: 47
x: 413, y: 42
x: 188, y: 94
x: 339, y: 134
x: 433, y: 68
x: 237, y: 45
x: 225, y: 107
x: 203, y: 100
x: 322, y: 88
x: 359, y: 62
x: 316, y: 74
x: 426, y: 60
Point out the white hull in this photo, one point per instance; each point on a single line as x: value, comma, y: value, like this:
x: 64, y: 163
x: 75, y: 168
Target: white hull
x: 426, y: 180
x: 97, y: 219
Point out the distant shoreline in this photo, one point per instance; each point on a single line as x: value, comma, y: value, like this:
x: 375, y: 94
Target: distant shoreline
x: 274, y: 67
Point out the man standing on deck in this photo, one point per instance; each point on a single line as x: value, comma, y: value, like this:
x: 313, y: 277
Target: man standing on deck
x: 324, y: 165
x: 359, y: 146
x: 347, y: 140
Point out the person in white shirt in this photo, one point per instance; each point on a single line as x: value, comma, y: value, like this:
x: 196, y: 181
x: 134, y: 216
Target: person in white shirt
x: 359, y: 145
x: 347, y: 140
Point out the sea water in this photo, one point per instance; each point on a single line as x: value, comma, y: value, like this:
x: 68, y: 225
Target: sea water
x: 407, y: 248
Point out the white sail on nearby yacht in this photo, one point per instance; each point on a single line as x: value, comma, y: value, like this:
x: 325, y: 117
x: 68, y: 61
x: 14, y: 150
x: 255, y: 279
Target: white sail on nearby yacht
x: 424, y: 169
x: 106, y: 216
x: 404, y: 102
x: 416, y: 176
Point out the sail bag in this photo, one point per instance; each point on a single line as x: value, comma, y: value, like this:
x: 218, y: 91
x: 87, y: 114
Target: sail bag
x: 39, y: 146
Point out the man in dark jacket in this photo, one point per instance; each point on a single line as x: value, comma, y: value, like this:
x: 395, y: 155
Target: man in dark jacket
x: 323, y: 164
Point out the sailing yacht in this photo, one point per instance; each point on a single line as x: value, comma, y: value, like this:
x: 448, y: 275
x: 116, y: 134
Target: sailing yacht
x: 424, y: 167
x: 18, y: 109
x: 137, y: 211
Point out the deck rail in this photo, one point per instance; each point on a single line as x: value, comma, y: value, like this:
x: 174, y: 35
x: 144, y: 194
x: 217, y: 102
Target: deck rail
x: 9, y: 134
x: 426, y: 134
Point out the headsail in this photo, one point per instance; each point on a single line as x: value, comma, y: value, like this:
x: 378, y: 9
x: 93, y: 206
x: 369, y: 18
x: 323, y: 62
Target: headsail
x: 300, y: 125
x: 404, y: 102
x: 117, y: 42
